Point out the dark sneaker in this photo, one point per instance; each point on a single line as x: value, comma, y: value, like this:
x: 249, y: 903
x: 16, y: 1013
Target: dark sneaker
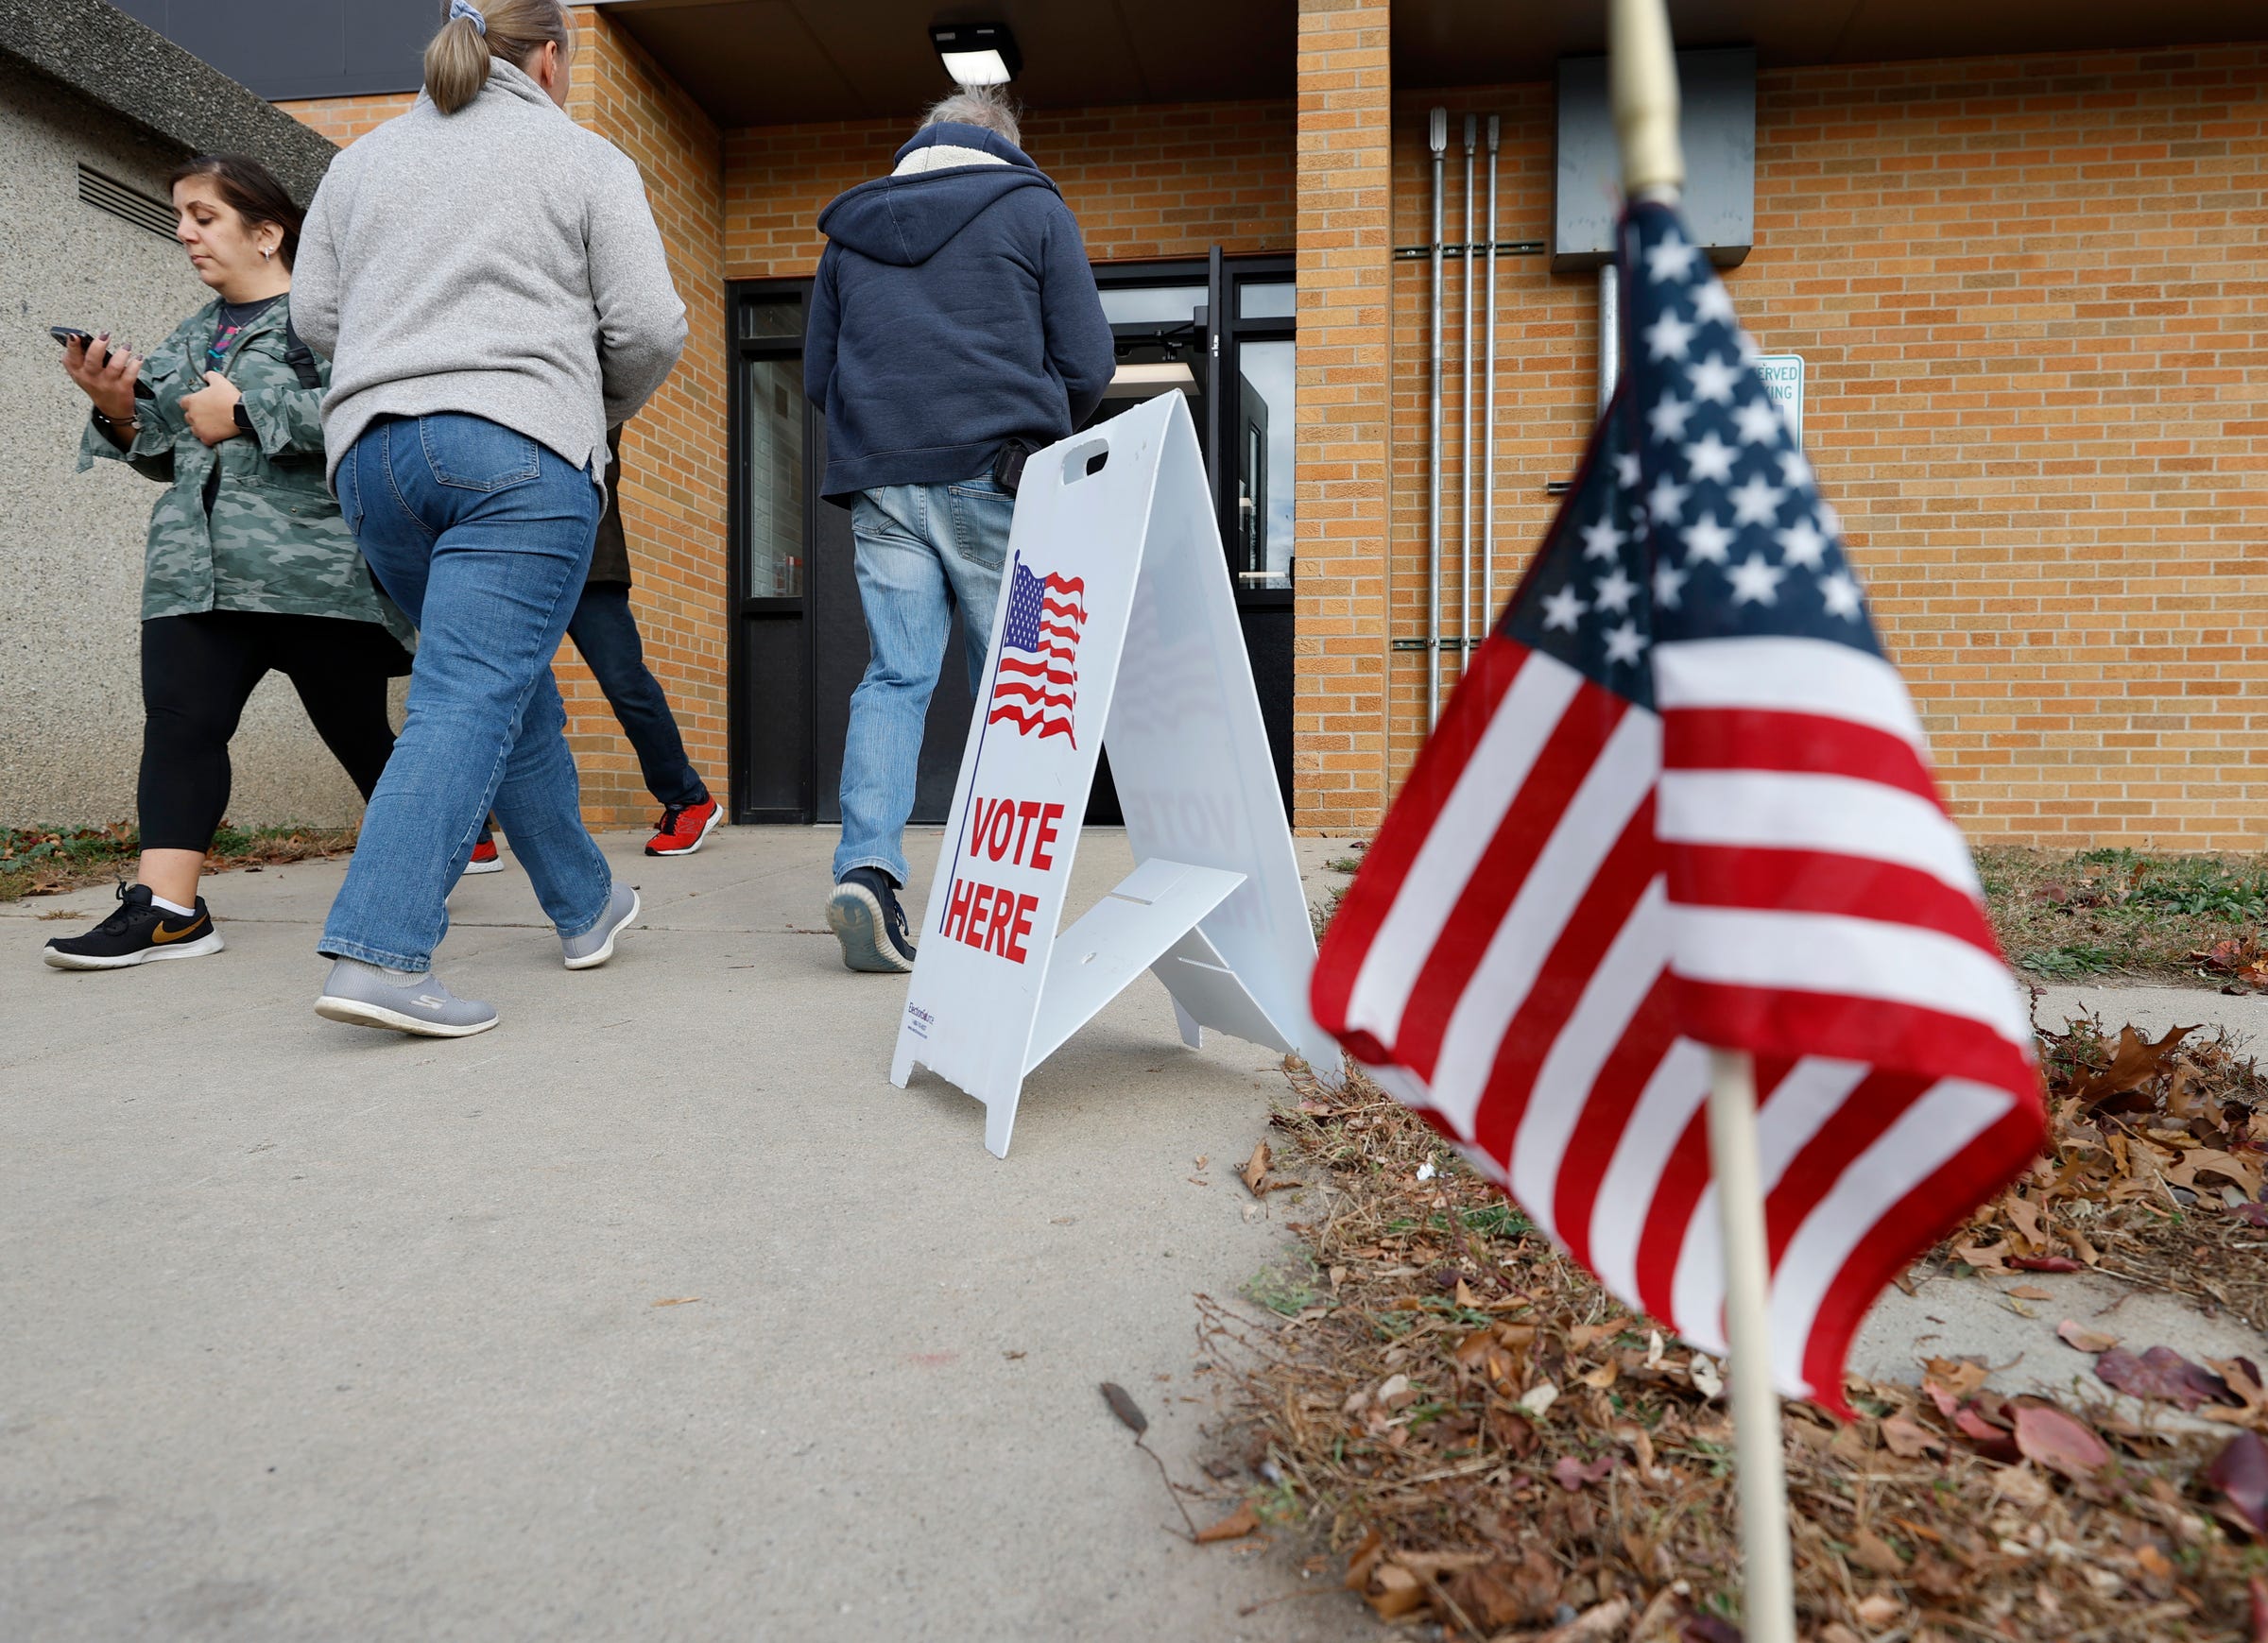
x: 685, y: 827
x: 486, y: 857
x: 866, y: 918
x: 597, y: 944
x: 363, y: 995
x: 138, y: 933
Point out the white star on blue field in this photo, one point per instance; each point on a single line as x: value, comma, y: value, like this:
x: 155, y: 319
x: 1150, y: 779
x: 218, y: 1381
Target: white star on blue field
x: 1693, y: 493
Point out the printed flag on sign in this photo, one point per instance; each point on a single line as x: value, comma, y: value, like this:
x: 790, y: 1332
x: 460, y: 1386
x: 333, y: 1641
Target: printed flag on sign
x: 1036, y: 687
x: 1680, y: 799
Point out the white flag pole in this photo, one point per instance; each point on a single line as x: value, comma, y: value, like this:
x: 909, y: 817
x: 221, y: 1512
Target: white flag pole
x: 1643, y: 68
x: 1767, y: 1571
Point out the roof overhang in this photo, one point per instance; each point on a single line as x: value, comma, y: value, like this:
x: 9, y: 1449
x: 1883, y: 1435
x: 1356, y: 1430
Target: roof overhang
x: 776, y: 62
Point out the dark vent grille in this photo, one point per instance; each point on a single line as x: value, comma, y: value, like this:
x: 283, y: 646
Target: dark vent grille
x: 129, y: 204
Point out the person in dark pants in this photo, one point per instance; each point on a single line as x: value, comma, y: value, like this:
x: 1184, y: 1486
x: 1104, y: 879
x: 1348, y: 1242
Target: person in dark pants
x: 249, y: 568
x: 606, y: 635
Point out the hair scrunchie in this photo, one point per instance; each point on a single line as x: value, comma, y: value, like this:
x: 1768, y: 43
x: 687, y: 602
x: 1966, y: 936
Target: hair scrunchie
x: 472, y: 13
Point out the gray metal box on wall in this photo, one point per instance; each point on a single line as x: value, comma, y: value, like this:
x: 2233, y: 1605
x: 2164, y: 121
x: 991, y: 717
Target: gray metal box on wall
x: 1716, y: 123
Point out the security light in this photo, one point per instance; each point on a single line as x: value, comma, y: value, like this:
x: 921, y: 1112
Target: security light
x: 977, y: 54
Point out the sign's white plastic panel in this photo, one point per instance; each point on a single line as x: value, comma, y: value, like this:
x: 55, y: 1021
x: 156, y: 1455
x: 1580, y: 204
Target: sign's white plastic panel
x: 1137, y: 642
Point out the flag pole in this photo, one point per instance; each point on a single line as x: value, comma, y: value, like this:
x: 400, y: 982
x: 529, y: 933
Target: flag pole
x: 1642, y: 69
x: 1767, y: 1568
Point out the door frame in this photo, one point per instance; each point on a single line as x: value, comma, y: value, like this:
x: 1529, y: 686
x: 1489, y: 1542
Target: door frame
x: 747, y: 609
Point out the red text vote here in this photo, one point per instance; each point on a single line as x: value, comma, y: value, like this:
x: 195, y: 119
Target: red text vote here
x: 1016, y: 834
x: 1017, y: 830
x: 995, y: 919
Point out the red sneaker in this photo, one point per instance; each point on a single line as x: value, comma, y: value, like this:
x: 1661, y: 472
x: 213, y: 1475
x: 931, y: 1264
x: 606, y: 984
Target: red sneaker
x: 485, y: 859
x: 685, y: 827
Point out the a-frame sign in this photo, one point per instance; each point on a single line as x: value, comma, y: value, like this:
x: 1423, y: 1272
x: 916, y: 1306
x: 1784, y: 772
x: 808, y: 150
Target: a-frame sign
x: 1115, y: 624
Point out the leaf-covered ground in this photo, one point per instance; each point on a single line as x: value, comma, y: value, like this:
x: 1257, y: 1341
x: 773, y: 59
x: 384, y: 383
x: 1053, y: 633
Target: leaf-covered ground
x: 2119, y: 913
x: 1491, y: 1443
x: 51, y: 861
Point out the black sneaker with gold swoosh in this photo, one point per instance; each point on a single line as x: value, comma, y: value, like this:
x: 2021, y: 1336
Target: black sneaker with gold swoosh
x: 137, y: 932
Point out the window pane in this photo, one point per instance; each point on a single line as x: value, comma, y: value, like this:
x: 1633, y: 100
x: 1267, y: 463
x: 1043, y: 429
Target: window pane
x: 1152, y: 304
x: 1273, y: 299
x: 771, y: 316
x: 1263, y: 436
x: 774, y: 401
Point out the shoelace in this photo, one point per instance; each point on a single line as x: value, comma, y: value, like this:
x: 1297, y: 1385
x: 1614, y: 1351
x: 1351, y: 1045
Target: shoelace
x: 671, y: 816
x: 120, y: 918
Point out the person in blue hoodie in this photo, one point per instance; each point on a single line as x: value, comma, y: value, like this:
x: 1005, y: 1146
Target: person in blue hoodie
x: 954, y: 326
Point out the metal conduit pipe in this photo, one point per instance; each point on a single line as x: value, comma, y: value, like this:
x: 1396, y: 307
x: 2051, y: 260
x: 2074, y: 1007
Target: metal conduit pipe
x: 1437, y: 136
x: 1489, y: 422
x: 1467, y: 422
x: 1611, y: 332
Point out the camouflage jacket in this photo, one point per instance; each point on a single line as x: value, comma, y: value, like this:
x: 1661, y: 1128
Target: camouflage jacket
x: 273, y: 540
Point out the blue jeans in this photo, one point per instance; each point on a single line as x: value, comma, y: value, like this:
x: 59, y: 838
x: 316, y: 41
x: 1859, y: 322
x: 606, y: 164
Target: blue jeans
x: 921, y: 548
x: 605, y: 634
x: 482, y: 536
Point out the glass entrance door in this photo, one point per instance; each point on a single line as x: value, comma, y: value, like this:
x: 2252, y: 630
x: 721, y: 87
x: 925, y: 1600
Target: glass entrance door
x: 799, y: 640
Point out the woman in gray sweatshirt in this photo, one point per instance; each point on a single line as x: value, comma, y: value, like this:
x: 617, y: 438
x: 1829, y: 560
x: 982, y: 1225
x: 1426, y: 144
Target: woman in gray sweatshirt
x: 488, y: 280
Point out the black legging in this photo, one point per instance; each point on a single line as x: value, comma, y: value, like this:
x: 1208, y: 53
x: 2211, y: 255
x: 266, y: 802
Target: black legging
x: 199, y: 671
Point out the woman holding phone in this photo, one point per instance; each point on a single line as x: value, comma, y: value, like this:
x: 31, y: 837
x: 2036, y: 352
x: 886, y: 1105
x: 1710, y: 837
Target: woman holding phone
x: 248, y: 567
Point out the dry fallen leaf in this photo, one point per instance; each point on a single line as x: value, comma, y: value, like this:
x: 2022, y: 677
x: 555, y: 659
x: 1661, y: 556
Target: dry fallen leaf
x: 2164, y: 1374
x: 1870, y: 1550
x: 1909, y: 1439
x: 1238, y: 1524
x: 1572, y: 1474
x: 1123, y: 1405
x: 2053, y: 1439
x: 2072, y: 1333
x: 1707, y: 1382
x: 2135, y: 1063
x: 1256, y: 1169
x: 679, y: 1301
x: 2240, y: 1473
x: 2031, y: 1292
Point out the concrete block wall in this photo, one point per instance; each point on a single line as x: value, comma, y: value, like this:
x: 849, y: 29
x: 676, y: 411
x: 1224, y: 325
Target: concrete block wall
x: 72, y: 543
x: 2030, y: 294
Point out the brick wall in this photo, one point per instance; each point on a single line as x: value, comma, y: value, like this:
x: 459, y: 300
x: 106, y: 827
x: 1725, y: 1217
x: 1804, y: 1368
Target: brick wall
x: 2030, y: 294
x: 676, y: 484
x: 343, y: 119
x: 1339, y: 760
x: 1155, y: 180
x: 674, y: 490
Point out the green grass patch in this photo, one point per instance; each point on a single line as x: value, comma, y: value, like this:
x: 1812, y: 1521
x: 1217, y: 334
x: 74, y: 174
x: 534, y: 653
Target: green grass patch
x: 2065, y: 917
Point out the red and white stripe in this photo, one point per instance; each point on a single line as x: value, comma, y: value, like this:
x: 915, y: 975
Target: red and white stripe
x: 1573, y: 894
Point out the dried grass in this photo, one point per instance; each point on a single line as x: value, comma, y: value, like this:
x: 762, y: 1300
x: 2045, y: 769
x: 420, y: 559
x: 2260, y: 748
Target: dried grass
x: 1496, y: 1444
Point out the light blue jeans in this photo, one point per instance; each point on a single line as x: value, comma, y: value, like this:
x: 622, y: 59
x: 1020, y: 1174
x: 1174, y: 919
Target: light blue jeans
x: 482, y: 536
x: 919, y: 546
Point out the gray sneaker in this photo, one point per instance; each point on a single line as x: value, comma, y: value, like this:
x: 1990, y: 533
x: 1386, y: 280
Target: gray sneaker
x: 597, y: 944
x: 362, y: 995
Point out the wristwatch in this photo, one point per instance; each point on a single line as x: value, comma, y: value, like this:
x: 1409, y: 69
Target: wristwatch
x: 243, y: 419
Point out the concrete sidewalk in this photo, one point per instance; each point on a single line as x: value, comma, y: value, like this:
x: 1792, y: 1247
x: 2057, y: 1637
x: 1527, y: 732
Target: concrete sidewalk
x: 313, y: 1332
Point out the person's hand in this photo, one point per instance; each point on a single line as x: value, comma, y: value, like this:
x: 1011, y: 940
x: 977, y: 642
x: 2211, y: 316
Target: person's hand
x: 210, y: 412
x: 106, y: 374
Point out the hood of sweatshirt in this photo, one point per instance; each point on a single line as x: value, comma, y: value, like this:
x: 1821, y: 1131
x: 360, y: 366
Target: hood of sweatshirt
x: 907, y: 217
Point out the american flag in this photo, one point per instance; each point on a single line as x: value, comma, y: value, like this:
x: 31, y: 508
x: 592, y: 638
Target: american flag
x: 1036, y: 685
x: 1680, y: 799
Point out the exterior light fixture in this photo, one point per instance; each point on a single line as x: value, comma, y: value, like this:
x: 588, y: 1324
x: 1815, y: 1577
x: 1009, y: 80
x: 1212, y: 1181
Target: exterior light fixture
x: 977, y: 54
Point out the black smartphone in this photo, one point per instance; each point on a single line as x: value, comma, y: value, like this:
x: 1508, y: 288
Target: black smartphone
x: 66, y: 335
